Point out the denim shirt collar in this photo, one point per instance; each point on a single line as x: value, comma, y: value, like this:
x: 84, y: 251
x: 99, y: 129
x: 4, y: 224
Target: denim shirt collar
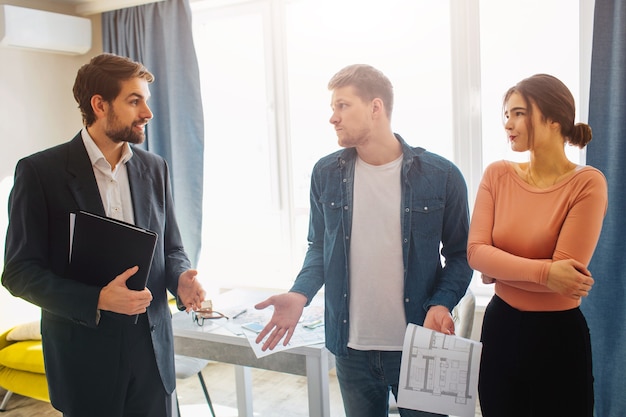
x: 348, y: 155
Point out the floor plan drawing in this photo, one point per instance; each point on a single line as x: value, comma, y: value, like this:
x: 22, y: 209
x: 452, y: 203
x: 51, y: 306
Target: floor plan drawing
x: 439, y: 372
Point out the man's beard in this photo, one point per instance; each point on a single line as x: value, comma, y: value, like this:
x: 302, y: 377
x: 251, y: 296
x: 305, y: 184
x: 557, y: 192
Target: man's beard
x: 125, y: 134
x: 120, y: 134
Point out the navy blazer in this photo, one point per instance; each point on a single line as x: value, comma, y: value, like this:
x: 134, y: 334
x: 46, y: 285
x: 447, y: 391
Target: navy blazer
x: 48, y: 186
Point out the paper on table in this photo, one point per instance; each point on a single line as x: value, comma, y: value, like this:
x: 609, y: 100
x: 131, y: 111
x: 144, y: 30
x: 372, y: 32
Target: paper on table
x: 438, y: 372
x: 301, y: 337
x: 309, y: 331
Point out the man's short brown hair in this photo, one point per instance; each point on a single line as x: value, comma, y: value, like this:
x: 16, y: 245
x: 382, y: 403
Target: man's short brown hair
x: 368, y: 82
x: 103, y: 76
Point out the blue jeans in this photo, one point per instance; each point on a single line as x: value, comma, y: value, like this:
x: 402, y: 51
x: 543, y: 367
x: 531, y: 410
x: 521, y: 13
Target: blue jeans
x: 365, y: 378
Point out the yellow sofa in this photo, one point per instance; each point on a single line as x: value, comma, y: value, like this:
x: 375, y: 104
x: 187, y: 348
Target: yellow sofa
x: 21, y: 364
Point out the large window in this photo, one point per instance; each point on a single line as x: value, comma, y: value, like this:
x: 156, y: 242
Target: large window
x: 517, y: 47
x: 264, y: 69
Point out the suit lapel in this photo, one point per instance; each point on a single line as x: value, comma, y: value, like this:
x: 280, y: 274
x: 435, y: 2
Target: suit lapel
x: 140, y: 187
x: 84, y: 187
x: 83, y: 184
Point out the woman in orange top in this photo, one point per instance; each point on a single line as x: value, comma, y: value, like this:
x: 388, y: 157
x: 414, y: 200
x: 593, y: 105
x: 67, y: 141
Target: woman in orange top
x: 533, y: 231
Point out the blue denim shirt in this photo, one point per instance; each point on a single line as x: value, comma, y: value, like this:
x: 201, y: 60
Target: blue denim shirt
x: 435, y: 223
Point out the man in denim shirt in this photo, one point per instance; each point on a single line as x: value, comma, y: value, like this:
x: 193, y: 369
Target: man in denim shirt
x: 382, y: 216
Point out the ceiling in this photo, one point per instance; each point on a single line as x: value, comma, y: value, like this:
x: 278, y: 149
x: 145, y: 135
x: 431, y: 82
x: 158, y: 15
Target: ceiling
x: 89, y: 7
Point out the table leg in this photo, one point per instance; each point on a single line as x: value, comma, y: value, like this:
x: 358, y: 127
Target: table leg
x: 243, y: 379
x: 317, y: 381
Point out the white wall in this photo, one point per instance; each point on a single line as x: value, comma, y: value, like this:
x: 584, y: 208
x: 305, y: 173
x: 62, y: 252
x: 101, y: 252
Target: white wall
x: 37, y: 110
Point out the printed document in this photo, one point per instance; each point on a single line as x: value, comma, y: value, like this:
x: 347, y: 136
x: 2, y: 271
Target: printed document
x: 309, y: 331
x: 439, y: 372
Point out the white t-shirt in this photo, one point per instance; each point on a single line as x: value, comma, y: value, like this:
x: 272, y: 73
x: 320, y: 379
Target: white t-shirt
x: 377, y: 319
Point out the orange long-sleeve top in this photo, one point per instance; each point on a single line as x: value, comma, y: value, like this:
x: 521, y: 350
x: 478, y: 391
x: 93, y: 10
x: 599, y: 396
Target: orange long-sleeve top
x: 517, y: 230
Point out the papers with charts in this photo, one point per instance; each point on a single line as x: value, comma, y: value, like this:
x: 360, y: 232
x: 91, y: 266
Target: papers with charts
x: 239, y: 304
x: 439, y: 373
x: 309, y: 331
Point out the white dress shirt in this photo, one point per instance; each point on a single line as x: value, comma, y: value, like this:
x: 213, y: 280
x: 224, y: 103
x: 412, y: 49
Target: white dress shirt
x: 112, y: 181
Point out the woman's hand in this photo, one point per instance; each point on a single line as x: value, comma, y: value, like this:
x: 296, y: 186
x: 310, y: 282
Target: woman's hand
x: 569, y: 278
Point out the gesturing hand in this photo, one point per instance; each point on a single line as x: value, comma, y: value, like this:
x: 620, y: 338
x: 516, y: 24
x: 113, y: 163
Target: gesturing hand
x: 570, y: 278
x: 287, y: 311
x: 190, y: 291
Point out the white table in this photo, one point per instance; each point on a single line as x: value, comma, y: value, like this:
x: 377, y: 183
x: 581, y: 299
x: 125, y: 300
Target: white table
x: 219, y: 344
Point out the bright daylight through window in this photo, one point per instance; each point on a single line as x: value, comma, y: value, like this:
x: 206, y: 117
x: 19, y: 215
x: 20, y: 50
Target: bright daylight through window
x: 264, y: 69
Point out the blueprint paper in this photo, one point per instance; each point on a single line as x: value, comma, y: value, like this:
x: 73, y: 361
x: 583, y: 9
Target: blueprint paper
x: 438, y: 372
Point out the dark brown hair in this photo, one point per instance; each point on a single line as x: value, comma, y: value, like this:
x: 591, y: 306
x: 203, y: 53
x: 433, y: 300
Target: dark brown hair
x: 103, y: 76
x: 555, y: 102
x: 368, y: 82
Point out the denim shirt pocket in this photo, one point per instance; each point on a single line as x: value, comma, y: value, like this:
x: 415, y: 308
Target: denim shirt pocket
x: 427, y: 217
x: 332, y: 206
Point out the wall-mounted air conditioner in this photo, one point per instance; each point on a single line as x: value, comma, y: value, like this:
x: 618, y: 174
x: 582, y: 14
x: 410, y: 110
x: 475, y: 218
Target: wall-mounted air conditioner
x: 44, y: 31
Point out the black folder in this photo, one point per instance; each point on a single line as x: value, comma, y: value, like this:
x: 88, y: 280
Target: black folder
x: 101, y: 248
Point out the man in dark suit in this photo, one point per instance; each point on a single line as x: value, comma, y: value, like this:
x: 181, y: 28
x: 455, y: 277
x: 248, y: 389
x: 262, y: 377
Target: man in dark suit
x: 98, y: 361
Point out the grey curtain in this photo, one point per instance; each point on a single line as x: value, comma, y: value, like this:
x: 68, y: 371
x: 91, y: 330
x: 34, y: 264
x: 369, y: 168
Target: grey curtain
x: 159, y: 36
x: 605, y: 308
